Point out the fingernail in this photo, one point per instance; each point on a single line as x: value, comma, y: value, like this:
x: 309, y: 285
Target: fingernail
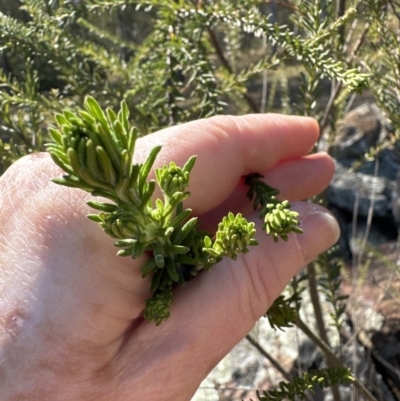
x: 320, y: 229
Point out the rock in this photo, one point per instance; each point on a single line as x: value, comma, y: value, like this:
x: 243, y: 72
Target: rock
x: 375, y: 184
x: 346, y: 188
x: 358, y: 132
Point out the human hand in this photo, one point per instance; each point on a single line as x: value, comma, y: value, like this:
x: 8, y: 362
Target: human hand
x: 71, y: 325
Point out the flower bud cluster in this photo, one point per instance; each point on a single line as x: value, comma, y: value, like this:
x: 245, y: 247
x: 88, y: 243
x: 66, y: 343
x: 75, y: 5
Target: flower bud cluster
x: 279, y: 221
x: 172, y: 178
x: 235, y: 234
x: 158, y: 307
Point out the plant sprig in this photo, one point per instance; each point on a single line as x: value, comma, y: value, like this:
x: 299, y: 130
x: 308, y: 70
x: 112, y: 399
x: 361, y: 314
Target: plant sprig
x: 301, y: 387
x: 279, y: 220
x: 95, y: 148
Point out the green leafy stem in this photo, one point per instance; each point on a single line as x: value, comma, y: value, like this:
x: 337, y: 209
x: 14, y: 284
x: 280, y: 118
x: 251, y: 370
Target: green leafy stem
x: 95, y: 148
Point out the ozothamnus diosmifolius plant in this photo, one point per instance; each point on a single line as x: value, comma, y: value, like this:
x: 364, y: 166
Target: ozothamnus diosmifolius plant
x: 95, y: 148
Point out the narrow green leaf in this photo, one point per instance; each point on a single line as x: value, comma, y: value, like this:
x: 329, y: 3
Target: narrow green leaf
x: 121, y: 190
x: 155, y: 282
x: 92, y: 162
x: 179, y: 235
x: 95, y: 110
x: 112, y: 117
x: 180, y: 218
x: 74, y: 161
x: 61, y: 120
x: 93, y: 134
x: 87, y: 176
x: 125, y: 164
x: 87, y: 118
x: 146, y: 167
x: 106, y: 165
x: 159, y: 174
x: 189, y: 164
x: 123, y: 115
x: 72, y: 182
x: 105, y: 193
x: 125, y: 243
x: 59, y: 160
x: 133, y: 177
x: 104, y: 207
x: 132, y: 136
x: 72, y: 117
x: 120, y: 134
x: 179, y: 249
x: 207, y: 242
x: 125, y: 229
x: 149, y: 192
x: 148, y: 268
x: 124, y: 252
x: 95, y: 217
x: 81, y: 151
x: 110, y: 145
x: 171, y: 270
x: 57, y: 136
x: 138, y: 249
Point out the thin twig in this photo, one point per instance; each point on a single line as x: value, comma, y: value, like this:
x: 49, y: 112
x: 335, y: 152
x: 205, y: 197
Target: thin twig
x: 332, y: 358
x: 370, y: 215
x: 319, y: 318
x: 328, y: 108
x: 265, y: 81
x: 270, y: 358
x: 349, y: 35
x: 338, y: 87
x: 354, y: 281
x: 228, y: 67
x: 394, y: 9
x: 358, y: 44
x: 316, y: 303
x: 340, y: 10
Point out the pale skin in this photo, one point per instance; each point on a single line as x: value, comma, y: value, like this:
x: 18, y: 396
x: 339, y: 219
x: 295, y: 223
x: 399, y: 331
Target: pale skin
x: 70, y: 310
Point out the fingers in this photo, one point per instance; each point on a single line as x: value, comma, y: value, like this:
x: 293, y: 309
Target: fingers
x: 217, y: 309
x: 302, y: 178
x: 296, y: 179
x: 229, y: 147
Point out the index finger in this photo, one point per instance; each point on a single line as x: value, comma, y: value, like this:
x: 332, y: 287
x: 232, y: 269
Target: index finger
x: 228, y: 147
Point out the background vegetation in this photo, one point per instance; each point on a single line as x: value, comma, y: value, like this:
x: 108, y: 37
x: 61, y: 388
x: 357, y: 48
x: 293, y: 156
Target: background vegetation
x: 173, y: 61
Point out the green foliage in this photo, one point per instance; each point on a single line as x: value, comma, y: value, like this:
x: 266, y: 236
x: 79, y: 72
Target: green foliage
x: 383, y: 60
x: 302, y: 386
x: 330, y: 282
x: 186, y: 75
x: 284, y: 311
